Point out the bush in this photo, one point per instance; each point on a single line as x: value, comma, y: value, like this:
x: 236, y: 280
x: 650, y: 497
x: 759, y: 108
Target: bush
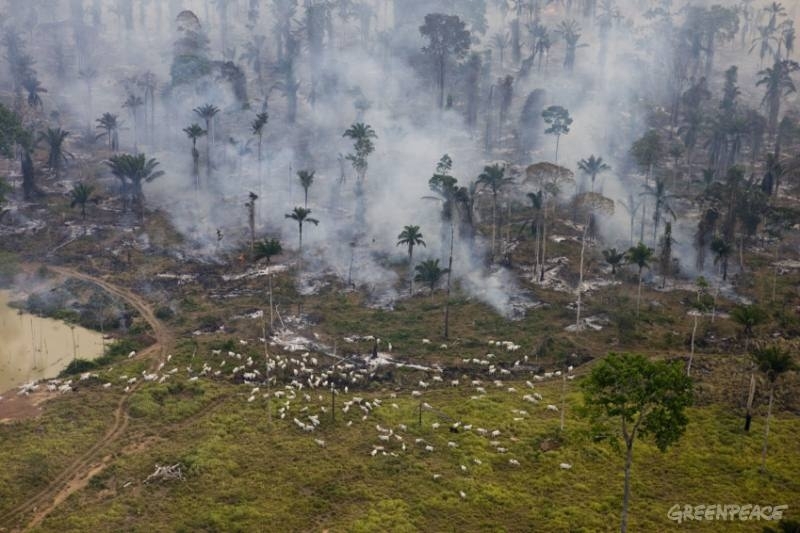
x: 164, y: 313
x: 79, y: 366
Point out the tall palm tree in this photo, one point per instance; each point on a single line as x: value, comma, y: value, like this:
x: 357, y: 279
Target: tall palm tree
x: 207, y: 113
x: 777, y: 82
x: 251, y: 220
x: 81, y: 194
x: 300, y: 215
x: 254, y: 56
x: 57, y: 155
x: 494, y: 178
x: 501, y: 41
x: 88, y: 76
x: 613, y: 258
x: 537, y: 206
x: 410, y: 236
x: 194, y: 132
x: 138, y: 170
x: 592, y: 167
x: 257, y: 127
x: 306, y: 178
x: 662, y: 200
x: 722, y: 251
x: 110, y: 124
x: 429, y: 272
x: 132, y: 104
x: 773, y: 361
x: 570, y: 32
x: 639, y: 255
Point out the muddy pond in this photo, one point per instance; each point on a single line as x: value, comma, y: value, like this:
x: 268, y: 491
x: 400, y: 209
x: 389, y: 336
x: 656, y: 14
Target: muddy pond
x: 33, y: 348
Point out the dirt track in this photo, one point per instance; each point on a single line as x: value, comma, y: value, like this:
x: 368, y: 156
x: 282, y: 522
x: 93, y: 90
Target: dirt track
x: 32, y: 511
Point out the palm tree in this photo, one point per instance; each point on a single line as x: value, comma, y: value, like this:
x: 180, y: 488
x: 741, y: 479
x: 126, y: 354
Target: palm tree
x: 306, y: 178
x: 109, y: 123
x: 34, y: 88
x: 748, y: 317
x: 194, y: 132
x: 254, y: 56
x: 662, y: 202
x: 251, y: 219
x: 138, y: 170
x: 88, y: 75
x: 570, y: 31
x: 81, y: 195
x: 592, y: 167
x: 537, y: 205
x: 494, y: 178
x: 773, y: 361
x: 613, y: 258
x: 429, y: 272
x: 57, y: 153
x: 207, y: 113
x: 640, y: 256
x: 501, y: 41
x: 300, y: 215
x: 778, y: 83
x: 632, y: 207
x: 267, y: 249
x: 132, y: 104
x: 722, y: 251
x: 257, y: 127
x: 410, y: 236
x: 362, y: 134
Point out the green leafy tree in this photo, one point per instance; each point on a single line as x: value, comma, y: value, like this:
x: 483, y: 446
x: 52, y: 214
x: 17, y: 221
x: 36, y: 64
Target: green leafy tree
x: 773, y: 361
x: 559, y: 122
x: 267, y: 249
x: 362, y: 135
x: 639, y: 255
x: 647, y: 398
x: 410, y: 237
x: 306, y: 178
x: 301, y: 216
x: 447, y: 37
x: 80, y: 195
x: 493, y: 177
x: 430, y: 273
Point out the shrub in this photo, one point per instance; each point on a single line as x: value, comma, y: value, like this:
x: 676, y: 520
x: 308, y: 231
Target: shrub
x: 79, y: 366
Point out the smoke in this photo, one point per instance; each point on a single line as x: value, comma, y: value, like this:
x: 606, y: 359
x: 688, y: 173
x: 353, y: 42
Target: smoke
x: 610, y: 96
